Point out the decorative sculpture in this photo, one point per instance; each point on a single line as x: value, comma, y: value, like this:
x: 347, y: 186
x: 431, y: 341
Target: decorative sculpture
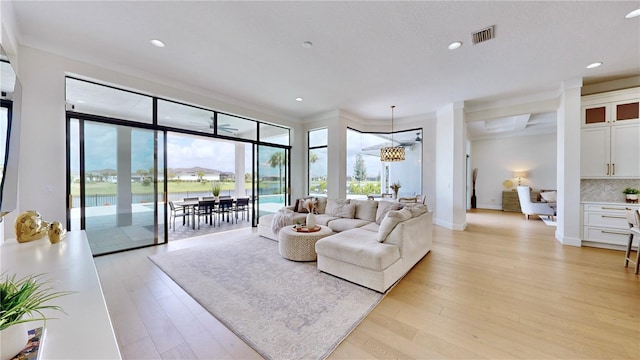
x: 56, y: 232
x: 29, y: 226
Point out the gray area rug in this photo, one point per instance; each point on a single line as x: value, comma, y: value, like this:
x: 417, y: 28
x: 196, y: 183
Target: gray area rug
x: 282, y: 309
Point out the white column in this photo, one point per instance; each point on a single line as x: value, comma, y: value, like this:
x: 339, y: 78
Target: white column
x: 568, y: 229
x: 124, y: 195
x: 336, y: 158
x: 450, y: 209
x: 239, y: 170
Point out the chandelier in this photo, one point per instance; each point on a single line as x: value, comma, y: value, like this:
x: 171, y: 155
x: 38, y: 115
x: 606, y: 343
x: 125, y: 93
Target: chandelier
x: 392, y: 153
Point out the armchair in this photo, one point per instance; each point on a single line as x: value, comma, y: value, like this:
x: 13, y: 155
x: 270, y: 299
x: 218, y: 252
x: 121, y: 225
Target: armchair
x: 531, y: 208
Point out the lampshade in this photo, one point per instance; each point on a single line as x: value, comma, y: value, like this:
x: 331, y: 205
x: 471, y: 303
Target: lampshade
x: 392, y: 153
x: 389, y: 154
x: 519, y: 175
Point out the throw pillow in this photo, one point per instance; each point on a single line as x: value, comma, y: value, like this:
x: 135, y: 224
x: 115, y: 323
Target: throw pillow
x: 365, y: 209
x: 334, y: 206
x: 416, y: 209
x: 384, y: 207
x: 550, y: 196
x: 390, y: 221
x: 300, y: 204
x: 346, y: 211
x: 322, y: 205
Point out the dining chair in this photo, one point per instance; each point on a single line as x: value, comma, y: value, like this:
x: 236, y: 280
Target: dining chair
x: 206, y: 208
x: 413, y: 199
x: 633, y: 217
x: 386, y: 195
x: 178, y: 211
x: 225, y: 206
x: 242, y: 205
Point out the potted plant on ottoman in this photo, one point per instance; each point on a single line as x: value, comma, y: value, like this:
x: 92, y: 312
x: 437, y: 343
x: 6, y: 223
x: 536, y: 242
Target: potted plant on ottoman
x: 20, y: 300
x: 631, y: 194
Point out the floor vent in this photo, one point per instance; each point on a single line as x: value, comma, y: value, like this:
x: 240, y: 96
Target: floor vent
x: 483, y: 35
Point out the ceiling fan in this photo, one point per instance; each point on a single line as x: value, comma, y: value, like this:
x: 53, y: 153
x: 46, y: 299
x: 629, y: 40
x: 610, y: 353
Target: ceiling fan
x: 227, y: 128
x: 209, y: 127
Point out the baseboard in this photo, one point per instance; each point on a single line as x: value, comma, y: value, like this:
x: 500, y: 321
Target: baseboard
x: 449, y: 225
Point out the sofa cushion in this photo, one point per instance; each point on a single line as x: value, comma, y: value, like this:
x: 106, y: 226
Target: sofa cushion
x: 298, y: 218
x: 372, y: 226
x: 416, y: 209
x: 365, y: 209
x: 340, y: 208
x: 360, y: 248
x: 390, y: 221
x: 323, y: 219
x: 341, y: 224
x: 384, y: 207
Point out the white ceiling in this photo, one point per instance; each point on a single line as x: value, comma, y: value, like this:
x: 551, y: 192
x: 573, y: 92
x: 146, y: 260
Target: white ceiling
x: 365, y: 55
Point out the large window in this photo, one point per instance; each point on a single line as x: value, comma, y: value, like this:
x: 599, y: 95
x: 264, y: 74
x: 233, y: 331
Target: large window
x: 121, y: 175
x: 367, y: 175
x: 317, y: 156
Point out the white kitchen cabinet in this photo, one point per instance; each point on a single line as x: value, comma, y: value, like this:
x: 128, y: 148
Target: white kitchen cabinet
x: 610, y: 108
x: 610, y: 142
x: 605, y: 224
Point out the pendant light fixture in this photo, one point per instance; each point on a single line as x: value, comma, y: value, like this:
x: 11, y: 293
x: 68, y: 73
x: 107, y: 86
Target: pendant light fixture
x: 392, y: 153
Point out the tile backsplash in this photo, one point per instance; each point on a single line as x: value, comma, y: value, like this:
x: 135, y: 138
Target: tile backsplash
x: 606, y: 190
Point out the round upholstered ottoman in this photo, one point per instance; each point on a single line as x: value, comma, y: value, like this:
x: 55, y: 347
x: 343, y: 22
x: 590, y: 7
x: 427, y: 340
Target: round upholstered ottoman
x: 298, y: 245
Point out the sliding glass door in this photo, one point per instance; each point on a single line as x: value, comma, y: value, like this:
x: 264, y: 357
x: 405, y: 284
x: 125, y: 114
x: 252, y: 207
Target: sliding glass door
x: 271, y: 178
x: 117, y: 185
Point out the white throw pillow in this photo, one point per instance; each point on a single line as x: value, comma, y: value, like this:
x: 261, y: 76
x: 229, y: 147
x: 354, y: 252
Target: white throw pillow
x: 365, y: 209
x: 416, y: 209
x: 390, y: 221
x: 550, y: 196
x: 384, y: 207
x: 334, y: 206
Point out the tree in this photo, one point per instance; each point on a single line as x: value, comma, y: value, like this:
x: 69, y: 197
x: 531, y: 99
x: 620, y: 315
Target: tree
x: 313, y: 157
x: 200, y: 175
x: 359, y: 169
x: 278, y: 160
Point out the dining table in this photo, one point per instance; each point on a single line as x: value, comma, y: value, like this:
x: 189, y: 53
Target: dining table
x: 191, y: 206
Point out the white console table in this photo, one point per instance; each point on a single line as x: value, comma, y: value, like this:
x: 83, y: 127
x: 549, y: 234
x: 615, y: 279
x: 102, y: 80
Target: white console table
x: 86, y: 332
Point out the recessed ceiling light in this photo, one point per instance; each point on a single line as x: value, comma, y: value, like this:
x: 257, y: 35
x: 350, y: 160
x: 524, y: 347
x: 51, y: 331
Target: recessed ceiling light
x: 307, y: 44
x: 594, y: 65
x: 299, y: 99
x: 455, y: 45
x: 633, y: 14
x: 157, y: 43
x: 80, y: 101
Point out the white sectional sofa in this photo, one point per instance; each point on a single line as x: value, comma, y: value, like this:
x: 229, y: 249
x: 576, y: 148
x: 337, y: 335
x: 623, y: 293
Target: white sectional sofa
x: 374, y: 244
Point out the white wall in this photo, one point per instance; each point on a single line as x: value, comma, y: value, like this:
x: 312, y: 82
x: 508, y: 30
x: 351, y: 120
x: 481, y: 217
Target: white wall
x: 496, y: 159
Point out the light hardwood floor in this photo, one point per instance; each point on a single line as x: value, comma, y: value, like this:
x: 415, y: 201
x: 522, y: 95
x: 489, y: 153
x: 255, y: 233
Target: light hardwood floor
x: 502, y: 289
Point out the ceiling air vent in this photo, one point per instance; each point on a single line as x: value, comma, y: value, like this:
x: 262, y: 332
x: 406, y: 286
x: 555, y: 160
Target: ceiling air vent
x: 483, y: 35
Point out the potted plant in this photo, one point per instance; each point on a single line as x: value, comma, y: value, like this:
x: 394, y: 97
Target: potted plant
x: 21, y: 301
x: 395, y: 187
x: 631, y: 194
x: 215, y: 189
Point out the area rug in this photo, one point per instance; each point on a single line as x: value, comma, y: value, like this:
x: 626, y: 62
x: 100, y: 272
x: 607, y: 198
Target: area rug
x: 282, y: 309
